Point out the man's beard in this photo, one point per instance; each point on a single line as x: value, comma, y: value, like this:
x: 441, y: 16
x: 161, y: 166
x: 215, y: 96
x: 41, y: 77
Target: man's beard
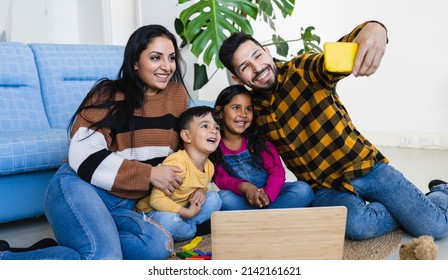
x: 270, y: 87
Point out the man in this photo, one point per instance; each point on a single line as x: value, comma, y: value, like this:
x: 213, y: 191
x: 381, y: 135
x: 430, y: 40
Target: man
x: 299, y: 110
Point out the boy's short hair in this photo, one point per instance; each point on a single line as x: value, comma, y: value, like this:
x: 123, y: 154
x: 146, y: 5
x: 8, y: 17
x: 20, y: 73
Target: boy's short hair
x: 197, y: 111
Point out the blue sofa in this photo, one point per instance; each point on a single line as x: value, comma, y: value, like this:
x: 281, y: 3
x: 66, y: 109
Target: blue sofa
x: 41, y: 85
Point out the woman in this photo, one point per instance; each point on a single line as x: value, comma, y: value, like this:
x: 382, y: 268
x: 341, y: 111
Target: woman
x: 119, y: 134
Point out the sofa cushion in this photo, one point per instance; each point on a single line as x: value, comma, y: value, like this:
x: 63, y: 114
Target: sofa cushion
x: 67, y: 73
x: 32, y: 150
x: 21, y: 103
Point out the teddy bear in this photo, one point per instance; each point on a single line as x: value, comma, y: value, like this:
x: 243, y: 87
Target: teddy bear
x: 421, y: 248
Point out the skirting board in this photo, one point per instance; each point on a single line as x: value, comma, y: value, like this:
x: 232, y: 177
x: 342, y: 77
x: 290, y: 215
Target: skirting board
x: 420, y: 140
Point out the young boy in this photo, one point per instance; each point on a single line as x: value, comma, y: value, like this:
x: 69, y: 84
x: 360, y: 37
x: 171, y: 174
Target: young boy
x: 191, y: 203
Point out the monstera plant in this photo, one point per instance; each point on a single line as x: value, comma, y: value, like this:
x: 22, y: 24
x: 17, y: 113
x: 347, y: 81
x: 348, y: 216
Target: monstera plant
x: 205, y: 24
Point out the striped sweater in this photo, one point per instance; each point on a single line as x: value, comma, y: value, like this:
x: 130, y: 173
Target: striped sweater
x: 106, y: 159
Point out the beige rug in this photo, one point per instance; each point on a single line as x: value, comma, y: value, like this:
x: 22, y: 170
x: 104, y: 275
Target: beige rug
x: 379, y: 248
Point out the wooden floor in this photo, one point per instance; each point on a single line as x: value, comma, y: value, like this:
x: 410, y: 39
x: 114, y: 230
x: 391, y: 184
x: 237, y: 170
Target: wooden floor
x: 419, y: 166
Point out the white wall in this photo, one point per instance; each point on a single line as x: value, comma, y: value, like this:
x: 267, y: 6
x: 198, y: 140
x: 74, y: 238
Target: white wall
x: 404, y: 103
x: 24, y: 19
x: 68, y: 21
x: 164, y: 13
x: 123, y: 20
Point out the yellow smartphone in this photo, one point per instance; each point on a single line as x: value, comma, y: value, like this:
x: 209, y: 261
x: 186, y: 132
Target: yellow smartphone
x: 339, y: 57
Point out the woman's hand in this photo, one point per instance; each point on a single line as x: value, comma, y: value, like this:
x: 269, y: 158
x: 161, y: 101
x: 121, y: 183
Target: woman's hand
x: 166, y: 178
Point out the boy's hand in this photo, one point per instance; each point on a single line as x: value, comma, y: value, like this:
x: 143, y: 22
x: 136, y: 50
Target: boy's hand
x: 198, y: 197
x: 188, y: 213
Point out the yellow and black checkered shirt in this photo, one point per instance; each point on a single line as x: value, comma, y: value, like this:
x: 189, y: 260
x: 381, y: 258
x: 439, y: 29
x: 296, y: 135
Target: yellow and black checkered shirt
x: 310, y: 127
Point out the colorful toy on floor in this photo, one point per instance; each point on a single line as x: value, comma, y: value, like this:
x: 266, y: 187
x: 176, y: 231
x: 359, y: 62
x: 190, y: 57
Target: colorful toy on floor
x: 200, y: 253
x: 191, y: 253
x: 189, y: 246
x: 182, y: 255
x: 188, y: 253
x: 202, y: 258
x: 193, y: 243
x: 196, y: 240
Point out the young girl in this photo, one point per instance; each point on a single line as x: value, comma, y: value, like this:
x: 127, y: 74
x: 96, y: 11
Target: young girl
x: 248, y: 169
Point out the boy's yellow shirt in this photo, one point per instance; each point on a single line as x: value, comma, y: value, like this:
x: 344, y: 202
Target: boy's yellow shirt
x: 193, y: 179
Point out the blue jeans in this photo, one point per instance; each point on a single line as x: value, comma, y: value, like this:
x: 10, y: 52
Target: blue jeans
x: 182, y: 229
x: 91, y: 223
x: 386, y: 200
x: 292, y: 195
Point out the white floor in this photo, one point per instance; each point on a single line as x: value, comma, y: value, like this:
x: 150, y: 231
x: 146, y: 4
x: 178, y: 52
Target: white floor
x: 419, y: 166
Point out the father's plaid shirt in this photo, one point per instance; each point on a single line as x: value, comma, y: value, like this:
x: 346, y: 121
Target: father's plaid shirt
x: 310, y: 127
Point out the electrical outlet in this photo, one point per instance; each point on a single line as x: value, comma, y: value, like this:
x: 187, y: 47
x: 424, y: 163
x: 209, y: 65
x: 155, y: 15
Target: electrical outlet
x: 428, y: 141
x: 407, y: 140
x: 422, y: 140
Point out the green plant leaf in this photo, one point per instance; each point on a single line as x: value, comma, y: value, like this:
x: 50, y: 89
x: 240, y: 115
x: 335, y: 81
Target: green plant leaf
x: 266, y: 10
x: 200, y: 76
x: 265, y: 6
x: 307, y: 34
x: 281, y: 46
x: 314, y: 47
x: 207, y: 23
x: 309, y: 38
x: 179, y: 27
x: 286, y: 7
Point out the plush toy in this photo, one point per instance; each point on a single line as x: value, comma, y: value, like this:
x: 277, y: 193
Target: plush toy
x: 422, y: 248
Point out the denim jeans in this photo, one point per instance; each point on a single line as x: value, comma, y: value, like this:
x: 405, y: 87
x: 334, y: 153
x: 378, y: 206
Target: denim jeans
x: 91, y: 223
x: 292, y: 195
x: 387, y: 200
x: 182, y: 229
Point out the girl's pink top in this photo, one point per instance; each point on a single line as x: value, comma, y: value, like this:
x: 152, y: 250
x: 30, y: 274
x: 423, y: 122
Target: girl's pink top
x: 271, y: 163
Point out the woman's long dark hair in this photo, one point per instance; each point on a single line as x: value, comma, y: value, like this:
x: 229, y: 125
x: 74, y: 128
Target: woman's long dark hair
x: 255, y: 142
x: 128, y: 81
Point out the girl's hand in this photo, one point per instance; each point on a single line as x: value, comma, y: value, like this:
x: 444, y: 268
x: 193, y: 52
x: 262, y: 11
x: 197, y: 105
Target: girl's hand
x: 264, y: 198
x: 255, y: 196
x: 166, y: 178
